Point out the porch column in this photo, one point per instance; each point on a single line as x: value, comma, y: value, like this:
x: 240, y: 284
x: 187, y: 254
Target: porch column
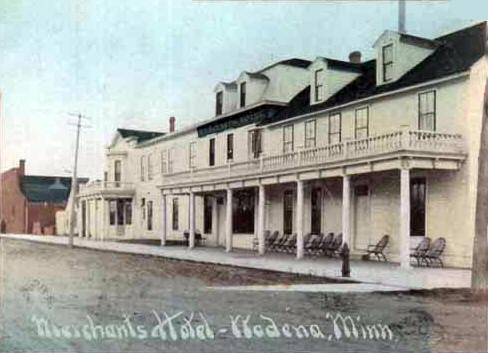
x: 261, y: 202
x: 104, y: 219
x: 163, y: 220
x: 191, y: 238
x: 215, y: 220
x: 346, y: 209
x: 405, y: 218
x: 228, y: 222
x: 299, y: 219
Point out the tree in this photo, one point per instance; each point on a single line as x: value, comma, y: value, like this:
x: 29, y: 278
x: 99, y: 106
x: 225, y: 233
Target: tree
x: 479, y: 276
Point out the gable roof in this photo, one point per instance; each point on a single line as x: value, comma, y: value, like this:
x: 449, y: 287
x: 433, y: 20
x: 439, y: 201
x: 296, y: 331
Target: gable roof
x: 38, y: 188
x: 456, y: 53
x: 139, y: 135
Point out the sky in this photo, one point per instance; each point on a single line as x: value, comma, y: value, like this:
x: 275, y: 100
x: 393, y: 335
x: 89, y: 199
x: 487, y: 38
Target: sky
x: 133, y: 64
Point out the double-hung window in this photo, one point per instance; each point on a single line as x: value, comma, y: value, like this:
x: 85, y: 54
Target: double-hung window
x: 143, y: 168
x: 361, y: 123
x: 427, y: 111
x: 117, y: 172
x: 288, y: 138
x: 192, y: 154
x: 211, y: 152
x: 387, y: 58
x: 334, y: 128
x: 164, y: 164
x: 310, y: 133
x: 230, y: 147
x: 149, y: 167
x: 319, y: 85
x: 170, y: 160
x: 243, y: 94
x: 219, y: 99
x: 255, y: 143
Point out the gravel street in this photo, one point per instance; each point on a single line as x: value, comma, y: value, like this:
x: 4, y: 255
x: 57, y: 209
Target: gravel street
x: 76, y: 300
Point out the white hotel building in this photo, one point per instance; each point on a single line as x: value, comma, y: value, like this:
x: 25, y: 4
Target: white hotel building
x: 363, y: 148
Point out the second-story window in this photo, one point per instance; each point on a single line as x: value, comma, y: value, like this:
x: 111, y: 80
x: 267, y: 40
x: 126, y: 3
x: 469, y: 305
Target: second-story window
x: 334, y: 128
x: 255, y: 143
x: 143, y: 168
x: 288, y: 138
x: 361, y: 123
x: 219, y: 103
x: 149, y: 167
x: 319, y: 85
x: 387, y: 58
x: 192, y: 154
x: 117, y: 172
x: 170, y: 160
x: 310, y: 133
x: 243, y: 95
x: 164, y: 164
x: 427, y: 111
x: 211, y: 152
x: 230, y: 147
x: 175, y: 214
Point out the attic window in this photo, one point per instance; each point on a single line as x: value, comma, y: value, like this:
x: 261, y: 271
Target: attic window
x: 218, y: 103
x: 387, y: 62
x: 318, y: 83
x: 243, y: 95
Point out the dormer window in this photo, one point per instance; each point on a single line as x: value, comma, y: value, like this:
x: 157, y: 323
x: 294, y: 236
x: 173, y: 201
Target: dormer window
x: 387, y: 59
x: 242, y: 101
x: 219, y: 103
x: 319, y: 86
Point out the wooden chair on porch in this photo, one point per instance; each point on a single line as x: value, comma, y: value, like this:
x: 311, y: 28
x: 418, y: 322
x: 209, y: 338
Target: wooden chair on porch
x: 432, y: 256
x: 378, y: 248
x: 420, y: 250
x: 335, y: 246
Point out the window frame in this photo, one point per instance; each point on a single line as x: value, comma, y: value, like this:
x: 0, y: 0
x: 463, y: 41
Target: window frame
x: 164, y: 164
x: 211, y: 152
x: 219, y: 102
x: 175, y: 214
x: 308, y: 138
x: 329, y: 133
x: 288, y: 143
x: 242, y: 94
x: 143, y: 168
x: 433, y: 113
x: 255, y: 143
x: 192, y: 154
x: 117, y: 172
x: 318, y: 86
x: 387, y: 64
x: 170, y: 160
x: 149, y: 167
x: 356, y: 128
x: 230, y: 147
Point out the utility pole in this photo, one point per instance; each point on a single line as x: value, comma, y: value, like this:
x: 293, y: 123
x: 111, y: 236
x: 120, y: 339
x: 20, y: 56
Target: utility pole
x: 74, y: 182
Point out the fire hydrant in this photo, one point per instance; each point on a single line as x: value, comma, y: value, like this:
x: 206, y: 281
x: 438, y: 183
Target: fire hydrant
x: 346, y: 269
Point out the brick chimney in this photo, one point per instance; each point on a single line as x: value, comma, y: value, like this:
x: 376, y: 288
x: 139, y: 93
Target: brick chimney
x: 172, y: 124
x: 22, y: 167
x: 355, y: 57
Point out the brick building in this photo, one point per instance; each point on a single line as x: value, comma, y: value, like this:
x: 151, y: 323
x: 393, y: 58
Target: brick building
x: 29, y: 202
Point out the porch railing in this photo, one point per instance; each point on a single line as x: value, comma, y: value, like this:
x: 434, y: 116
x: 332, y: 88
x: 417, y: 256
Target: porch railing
x: 105, y: 185
x: 414, y: 141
